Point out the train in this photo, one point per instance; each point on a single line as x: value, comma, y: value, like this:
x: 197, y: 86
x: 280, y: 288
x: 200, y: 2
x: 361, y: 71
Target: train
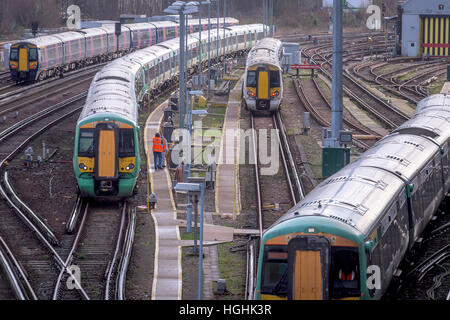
x: 106, y: 157
x: 53, y: 55
x: 347, y: 237
x: 262, y: 89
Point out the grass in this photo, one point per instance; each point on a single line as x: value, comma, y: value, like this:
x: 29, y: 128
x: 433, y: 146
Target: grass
x: 232, y: 269
x: 313, y: 154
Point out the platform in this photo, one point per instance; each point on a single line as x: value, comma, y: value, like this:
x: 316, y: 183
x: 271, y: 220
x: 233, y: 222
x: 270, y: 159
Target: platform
x: 227, y: 176
x: 446, y: 88
x: 167, y: 278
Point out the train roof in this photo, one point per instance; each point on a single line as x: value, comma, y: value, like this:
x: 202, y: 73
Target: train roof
x: 42, y: 41
x: 92, y: 31
x: 266, y: 51
x: 431, y: 119
x: 441, y: 101
x: 358, y: 194
x: 69, y: 36
x: 141, y: 57
x: 164, y: 24
x: 110, y: 96
x: 139, y: 26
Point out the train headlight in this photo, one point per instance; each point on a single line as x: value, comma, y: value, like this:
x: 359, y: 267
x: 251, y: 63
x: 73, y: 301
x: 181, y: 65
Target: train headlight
x: 130, y: 167
x: 275, y: 93
x: 251, y: 93
x: 83, y: 166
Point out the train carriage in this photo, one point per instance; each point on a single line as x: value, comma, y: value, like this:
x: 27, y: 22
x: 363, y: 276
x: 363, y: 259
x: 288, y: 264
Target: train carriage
x: 142, y: 35
x: 263, y: 85
x: 106, y: 152
x: 117, y: 45
x: 96, y: 44
x: 74, y: 49
x: 363, y: 219
x: 166, y: 30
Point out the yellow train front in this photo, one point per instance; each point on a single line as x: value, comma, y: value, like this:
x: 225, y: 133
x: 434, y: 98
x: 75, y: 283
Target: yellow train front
x: 263, y: 85
x: 23, y: 61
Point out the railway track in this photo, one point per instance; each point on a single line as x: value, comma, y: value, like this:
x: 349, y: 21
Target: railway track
x: 34, y: 249
x: 100, y: 251
x: 390, y: 116
x: 270, y: 188
x: 320, y: 108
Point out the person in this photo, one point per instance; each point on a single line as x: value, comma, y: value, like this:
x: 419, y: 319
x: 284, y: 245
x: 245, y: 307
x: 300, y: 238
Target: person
x: 158, y: 150
x: 165, y: 149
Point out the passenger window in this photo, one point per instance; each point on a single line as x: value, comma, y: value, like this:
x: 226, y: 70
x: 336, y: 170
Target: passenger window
x: 86, y: 143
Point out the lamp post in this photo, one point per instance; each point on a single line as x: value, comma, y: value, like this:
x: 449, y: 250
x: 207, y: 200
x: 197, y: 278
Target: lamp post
x: 209, y: 44
x: 224, y: 35
x: 182, y: 9
x: 218, y: 29
x: 195, y: 190
x: 189, y: 112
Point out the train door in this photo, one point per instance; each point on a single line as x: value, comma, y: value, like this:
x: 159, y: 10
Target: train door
x: 106, y: 156
x: 308, y: 268
x: 23, y: 59
x: 263, y: 85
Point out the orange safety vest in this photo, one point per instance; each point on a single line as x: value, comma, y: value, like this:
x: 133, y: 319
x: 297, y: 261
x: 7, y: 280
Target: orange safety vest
x: 157, y: 145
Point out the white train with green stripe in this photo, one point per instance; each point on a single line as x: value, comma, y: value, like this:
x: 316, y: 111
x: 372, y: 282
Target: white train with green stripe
x: 106, y: 154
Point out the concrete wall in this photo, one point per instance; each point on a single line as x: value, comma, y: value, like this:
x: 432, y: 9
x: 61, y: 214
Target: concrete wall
x: 410, y: 35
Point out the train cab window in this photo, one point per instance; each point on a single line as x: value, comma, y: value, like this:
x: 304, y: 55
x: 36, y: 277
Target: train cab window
x: 274, y: 79
x: 251, y: 79
x: 275, y: 272
x: 86, y: 143
x: 344, y: 273
x: 14, y: 55
x: 126, y: 143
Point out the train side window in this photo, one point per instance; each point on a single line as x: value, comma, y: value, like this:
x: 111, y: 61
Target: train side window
x: 86, y: 143
x: 14, y: 55
x: 33, y: 54
x: 344, y: 272
x: 126, y: 143
x: 251, y: 79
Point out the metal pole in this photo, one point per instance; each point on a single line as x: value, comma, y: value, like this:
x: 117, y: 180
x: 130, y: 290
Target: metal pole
x: 218, y: 30
x: 200, y: 263
x: 200, y: 66
x: 187, y: 172
x: 271, y: 18
x: 189, y: 215
x: 196, y: 224
x: 264, y: 16
x: 224, y: 36
x: 182, y: 84
x: 336, y: 113
x: 209, y: 46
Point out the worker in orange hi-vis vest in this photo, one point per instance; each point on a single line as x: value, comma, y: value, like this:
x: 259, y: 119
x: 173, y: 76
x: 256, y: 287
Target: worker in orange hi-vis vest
x: 158, y: 150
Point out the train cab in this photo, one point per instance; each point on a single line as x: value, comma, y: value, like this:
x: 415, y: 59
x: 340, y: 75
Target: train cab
x: 263, y: 87
x: 23, y: 61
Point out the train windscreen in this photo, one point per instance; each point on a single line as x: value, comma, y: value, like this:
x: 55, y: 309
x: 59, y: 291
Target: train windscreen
x: 251, y: 79
x: 126, y: 143
x: 14, y: 55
